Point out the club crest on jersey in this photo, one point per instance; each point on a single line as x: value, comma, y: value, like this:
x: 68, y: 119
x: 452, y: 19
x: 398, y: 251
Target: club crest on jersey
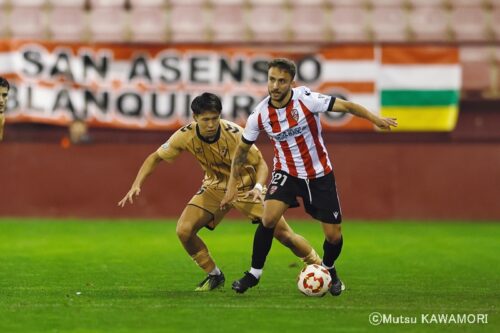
x: 198, y: 150
x: 223, y: 151
x: 273, y: 189
x: 295, y: 114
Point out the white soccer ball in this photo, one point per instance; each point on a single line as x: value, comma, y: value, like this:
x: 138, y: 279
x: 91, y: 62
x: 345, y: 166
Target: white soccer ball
x: 314, y: 280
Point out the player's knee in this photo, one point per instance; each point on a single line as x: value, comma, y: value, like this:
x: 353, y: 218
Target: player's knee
x: 333, y: 239
x: 334, y: 235
x: 270, y: 221
x: 184, y: 232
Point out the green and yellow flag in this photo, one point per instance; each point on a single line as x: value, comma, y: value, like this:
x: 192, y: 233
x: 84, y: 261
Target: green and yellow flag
x: 420, y: 86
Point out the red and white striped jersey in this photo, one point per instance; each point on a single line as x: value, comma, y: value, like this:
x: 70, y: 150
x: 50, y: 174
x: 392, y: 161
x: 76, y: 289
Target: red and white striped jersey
x: 295, y: 131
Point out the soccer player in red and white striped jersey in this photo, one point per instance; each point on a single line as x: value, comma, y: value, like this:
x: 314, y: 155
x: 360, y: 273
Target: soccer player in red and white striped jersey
x: 295, y: 132
x: 302, y: 168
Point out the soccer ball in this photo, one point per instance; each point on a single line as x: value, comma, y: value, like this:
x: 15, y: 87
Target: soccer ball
x: 314, y: 280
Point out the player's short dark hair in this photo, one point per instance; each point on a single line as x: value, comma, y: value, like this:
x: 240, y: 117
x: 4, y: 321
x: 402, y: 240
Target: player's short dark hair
x: 284, y: 64
x: 206, y: 102
x: 4, y: 83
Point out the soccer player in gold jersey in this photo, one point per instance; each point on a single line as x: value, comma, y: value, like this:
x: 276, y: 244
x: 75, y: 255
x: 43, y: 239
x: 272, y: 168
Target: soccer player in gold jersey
x: 212, y: 141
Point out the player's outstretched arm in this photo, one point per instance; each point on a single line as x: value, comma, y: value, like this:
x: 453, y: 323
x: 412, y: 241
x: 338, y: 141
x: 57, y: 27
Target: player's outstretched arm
x: 146, y: 169
x: 239, y: 160
x: 358, y: 110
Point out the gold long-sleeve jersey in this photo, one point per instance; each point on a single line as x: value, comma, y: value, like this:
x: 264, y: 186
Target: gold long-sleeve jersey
x: 214, y: 157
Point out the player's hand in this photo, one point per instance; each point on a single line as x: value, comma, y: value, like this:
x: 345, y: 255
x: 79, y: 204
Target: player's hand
x: 254, y: 194
x: 386, y: 123
x: 133, y: 192
x: 228, y: 197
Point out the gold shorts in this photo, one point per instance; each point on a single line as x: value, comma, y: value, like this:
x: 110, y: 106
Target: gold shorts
x: 209, y: 200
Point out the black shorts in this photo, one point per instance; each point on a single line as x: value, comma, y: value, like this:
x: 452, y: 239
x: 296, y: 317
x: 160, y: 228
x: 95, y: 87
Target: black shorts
x: 318, y: 195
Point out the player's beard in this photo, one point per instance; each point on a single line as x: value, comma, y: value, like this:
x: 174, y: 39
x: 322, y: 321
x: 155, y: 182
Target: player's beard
x: 280, y: 99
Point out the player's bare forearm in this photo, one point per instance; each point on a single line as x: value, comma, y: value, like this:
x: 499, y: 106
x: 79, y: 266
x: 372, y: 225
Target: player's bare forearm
x: 353, y: 108
x: 362, y: 112
x: 262, y: 171
x: 146, y: 169
x: 239, y: 159
x: 256, y: 160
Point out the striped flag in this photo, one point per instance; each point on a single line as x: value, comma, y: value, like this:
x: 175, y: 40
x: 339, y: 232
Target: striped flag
x: 350, y: 70
x: 420, y: 86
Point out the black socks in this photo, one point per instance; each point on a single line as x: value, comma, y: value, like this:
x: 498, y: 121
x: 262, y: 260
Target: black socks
x: 331, y: 252
x: 262, y: 242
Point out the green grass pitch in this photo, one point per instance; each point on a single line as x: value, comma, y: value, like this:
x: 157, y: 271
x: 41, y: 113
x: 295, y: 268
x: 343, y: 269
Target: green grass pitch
x: 134, y: 276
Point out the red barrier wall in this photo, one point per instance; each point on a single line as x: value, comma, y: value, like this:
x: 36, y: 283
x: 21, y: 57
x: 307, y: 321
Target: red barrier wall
x: 380, y: 180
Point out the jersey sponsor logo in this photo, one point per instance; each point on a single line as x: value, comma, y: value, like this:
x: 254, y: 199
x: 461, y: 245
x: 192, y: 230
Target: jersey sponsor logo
x: 294, y: 131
